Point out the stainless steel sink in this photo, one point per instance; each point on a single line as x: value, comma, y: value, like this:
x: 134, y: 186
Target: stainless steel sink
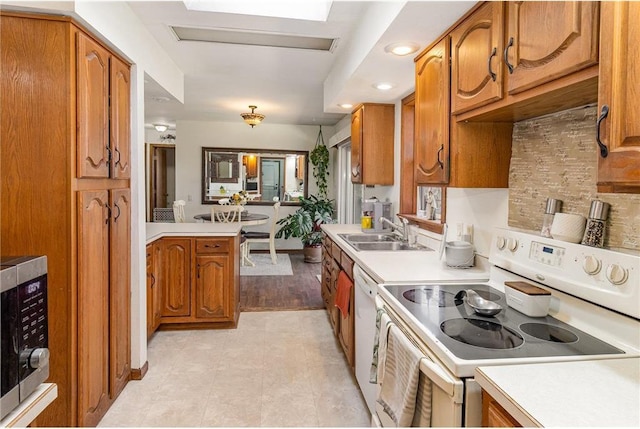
x: 369, y: 238
x: 378, y: 242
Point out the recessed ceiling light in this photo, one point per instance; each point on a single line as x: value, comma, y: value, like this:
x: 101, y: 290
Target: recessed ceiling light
x: 402, y: 48
x: 345, y: 105
x: 383, y: 86
x: 160, y: 128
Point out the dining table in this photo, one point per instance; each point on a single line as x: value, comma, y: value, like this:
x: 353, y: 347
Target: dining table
x: 246, y: 218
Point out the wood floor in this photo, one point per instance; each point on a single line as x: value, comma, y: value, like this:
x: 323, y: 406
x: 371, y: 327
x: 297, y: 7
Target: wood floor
x: 301, y: 291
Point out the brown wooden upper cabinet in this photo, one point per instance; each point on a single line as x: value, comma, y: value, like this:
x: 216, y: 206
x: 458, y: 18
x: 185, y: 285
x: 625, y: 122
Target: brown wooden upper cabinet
x: 619, y: 86
x: 372, y: 128
x: 547, y: 40
x: 476, y: 49
x: 517, y: 60
x: 431, y: 150
x: 103, y: 112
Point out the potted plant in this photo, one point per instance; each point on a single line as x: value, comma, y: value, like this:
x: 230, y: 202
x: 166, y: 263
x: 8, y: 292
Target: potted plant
x: 305, y: 224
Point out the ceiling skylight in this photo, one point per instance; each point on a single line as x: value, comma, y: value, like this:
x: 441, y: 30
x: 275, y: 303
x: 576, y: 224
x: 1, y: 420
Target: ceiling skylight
x: 311, y: 10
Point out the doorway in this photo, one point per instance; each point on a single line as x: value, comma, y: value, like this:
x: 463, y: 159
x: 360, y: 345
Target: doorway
x: 162, y: 177
x: 272, y: 178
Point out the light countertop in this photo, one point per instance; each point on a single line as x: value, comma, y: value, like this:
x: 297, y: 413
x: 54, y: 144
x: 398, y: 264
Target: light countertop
x: 405, y: 265
x: 157, y: 230
x: 587, y: 393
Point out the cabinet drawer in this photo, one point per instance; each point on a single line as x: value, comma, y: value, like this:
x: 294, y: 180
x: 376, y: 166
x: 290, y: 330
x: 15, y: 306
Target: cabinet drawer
x: 212, y: 245
x: 347, y: 264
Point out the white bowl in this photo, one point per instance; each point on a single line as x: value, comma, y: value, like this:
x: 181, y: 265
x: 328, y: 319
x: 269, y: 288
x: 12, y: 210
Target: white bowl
x: 568, y: 227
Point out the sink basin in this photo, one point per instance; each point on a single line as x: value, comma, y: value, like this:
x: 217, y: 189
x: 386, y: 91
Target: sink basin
x: 379, y: 242
x: 369, y: 238
x: 387, y: 246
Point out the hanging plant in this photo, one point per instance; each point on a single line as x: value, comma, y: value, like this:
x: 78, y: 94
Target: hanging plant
x: 319, y: 157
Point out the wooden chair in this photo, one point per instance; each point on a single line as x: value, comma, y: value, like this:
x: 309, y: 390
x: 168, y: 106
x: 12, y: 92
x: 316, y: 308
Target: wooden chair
x: 265, y: 237
x: 226, y: 213
x: 232, y: 213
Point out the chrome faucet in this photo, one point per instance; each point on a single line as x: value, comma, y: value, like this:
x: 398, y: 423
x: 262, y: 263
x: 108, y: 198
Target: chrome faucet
x: 403, y: 230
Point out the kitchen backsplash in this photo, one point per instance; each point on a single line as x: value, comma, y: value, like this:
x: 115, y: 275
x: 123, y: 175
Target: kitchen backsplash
x: 556, y: 156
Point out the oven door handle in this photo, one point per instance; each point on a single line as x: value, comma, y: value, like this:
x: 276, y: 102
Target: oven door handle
x: 452, y: 386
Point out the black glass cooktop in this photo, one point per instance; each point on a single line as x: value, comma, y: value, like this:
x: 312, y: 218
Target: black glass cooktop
x: 509, y: 334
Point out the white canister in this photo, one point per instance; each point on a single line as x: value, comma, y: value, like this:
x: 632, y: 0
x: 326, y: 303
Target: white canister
x: 459, y: 254
x: 568, y: 227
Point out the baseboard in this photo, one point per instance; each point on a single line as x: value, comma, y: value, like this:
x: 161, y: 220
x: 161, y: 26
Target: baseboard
x: 139, y: 373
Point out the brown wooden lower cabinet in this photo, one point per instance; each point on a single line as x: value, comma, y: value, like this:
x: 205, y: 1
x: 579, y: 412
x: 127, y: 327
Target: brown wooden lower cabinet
x: 335, y: 260
x: 493, y: 415
x: 195, y: 281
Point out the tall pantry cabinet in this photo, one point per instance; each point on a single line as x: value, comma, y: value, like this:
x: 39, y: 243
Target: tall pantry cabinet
x: 65, y: 190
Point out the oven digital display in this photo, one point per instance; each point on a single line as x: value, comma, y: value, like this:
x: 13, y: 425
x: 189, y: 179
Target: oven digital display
x: 545, y: 254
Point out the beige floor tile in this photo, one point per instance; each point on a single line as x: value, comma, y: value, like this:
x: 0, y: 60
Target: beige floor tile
x: 174, y: 413
x: 277, y: 369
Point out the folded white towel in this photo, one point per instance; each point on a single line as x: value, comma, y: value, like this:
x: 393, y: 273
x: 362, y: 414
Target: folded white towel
x: 399, y: 379
x: 382, y: 326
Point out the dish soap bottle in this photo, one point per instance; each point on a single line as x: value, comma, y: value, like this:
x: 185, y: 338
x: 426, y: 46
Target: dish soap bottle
x: 553, y: 207
x: 595, y: 231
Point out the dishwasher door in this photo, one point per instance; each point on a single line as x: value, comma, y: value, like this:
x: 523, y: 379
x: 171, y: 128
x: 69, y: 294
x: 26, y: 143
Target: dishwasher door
x: 365, y: 293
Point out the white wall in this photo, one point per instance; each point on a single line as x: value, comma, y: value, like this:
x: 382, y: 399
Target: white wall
x: 194, y: 135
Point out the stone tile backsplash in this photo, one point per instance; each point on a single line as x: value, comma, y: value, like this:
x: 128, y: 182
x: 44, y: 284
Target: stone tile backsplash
x: 556, y: 156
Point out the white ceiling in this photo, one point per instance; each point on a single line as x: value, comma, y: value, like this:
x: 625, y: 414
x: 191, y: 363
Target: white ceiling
x: 287, y: 85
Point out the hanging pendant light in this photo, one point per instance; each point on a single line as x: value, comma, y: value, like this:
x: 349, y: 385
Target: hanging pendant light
x: 252, y: 118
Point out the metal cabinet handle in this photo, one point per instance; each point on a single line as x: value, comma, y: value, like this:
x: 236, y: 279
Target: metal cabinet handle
x: 118, y: 159
x: 506, y: 55
x: 115, y: 219
x: 441, y: 150
x: 108, y: 154
x: 198, y: 270
x: 108, y: 213
x: 491, y: 73
x: 355, y: 171
x: 604, y: 151
x: 153, y: 280
x: 213, y: 247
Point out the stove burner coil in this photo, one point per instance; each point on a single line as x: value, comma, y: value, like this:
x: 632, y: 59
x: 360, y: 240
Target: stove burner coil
x: 481, y: 333
x: 550, y: 333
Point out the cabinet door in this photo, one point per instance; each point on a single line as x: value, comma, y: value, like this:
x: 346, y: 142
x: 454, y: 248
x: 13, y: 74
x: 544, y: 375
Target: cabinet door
x: 334, y: 313
x: 619, y: 87
x: 120, y: 290
x: 549, y: 39
x: 432, y: 115
x: 476, y: 64
x: 92, y: 109
x: 213, y: 287
x: 175, y: 276
x: 157, y: 289
x: 151, y: 285
x: 356, y: 146
x: 120, y: 120
x: 93, y: 306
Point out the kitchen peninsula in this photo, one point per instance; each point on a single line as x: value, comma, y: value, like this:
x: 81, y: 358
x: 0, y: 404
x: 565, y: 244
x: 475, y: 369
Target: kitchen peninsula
x: 193, y: 275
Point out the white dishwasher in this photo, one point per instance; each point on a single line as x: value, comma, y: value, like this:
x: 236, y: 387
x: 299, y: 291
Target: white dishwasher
x: 365, y: 293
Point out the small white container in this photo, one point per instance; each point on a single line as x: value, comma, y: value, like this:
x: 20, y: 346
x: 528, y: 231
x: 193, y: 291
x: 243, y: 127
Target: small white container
x: 527, y: 298
x: 459, y: 254
x: 568, y: 227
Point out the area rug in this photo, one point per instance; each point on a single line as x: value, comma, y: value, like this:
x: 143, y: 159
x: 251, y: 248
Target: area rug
x: 264, y: 266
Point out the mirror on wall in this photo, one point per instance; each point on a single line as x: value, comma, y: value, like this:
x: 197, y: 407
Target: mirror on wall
x: 264, y: 174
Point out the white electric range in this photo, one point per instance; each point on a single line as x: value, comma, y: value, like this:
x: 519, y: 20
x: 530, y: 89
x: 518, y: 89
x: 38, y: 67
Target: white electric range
x: 594, y: 314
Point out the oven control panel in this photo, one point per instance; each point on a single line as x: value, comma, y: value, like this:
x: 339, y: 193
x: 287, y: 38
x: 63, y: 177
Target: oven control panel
x: 602, y: 276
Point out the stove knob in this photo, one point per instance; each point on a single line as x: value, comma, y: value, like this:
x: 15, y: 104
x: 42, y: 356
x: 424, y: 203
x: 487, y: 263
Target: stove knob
x: 616, y: 274
x: 512, y: 244
x: 35, y: 358
x: 501, y: 242
x: 591, y: 265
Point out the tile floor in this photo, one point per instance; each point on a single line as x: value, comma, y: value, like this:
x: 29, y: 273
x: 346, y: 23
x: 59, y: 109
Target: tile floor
x: 278, y: 368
